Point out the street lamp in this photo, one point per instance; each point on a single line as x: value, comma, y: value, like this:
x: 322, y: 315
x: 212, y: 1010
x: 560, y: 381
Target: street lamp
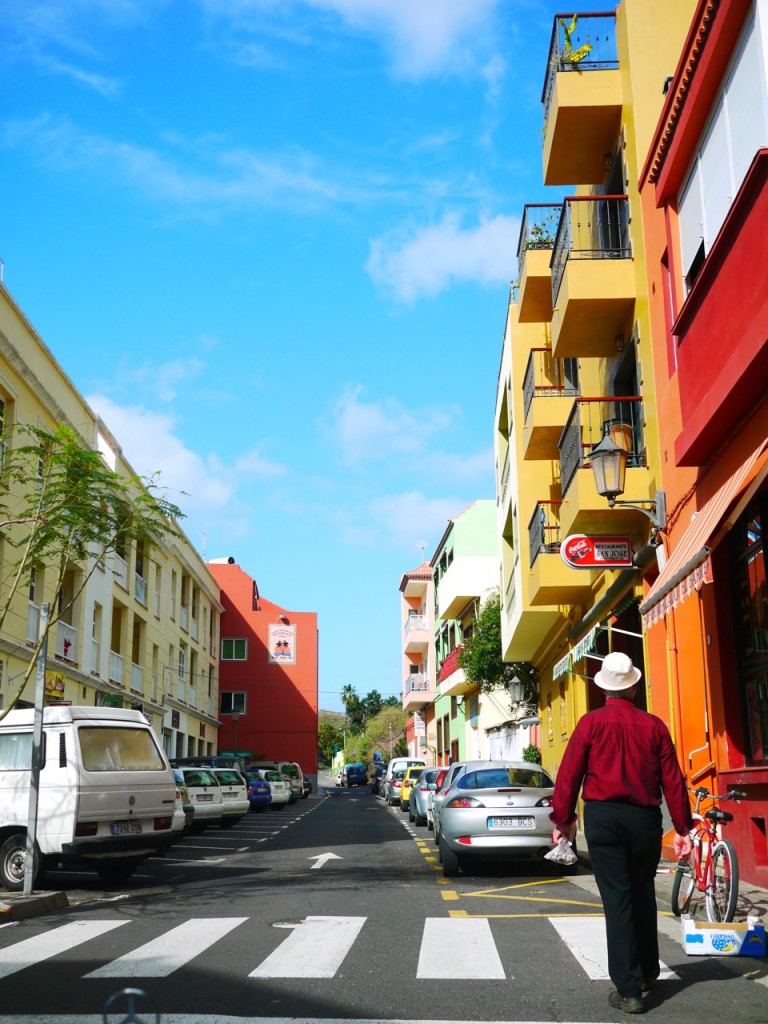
x: 515, y: 689
x: 609, y: 465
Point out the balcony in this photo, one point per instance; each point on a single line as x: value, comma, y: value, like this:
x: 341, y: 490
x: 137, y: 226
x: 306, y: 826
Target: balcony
x: 120, y: 570
x: 33, y: 623
x: 140, y: 589
x: 137, y: 684
x: 416, y: 634
x: 593, y: 277
x: 115, y: 668
x: 534, y: 251
x: 582, y: 99
x: 551, y: 581
x: 66, y: 642
x: 583, y: 510
x: 549, y: 387
x: 417, y: 692
x: 452, y: 677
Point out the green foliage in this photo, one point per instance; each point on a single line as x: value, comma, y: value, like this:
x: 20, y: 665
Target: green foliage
x: 63, y: 508
x: 532, y: 754
x: 482, y: 661
x: 329, y: 739
x: 568, y: 55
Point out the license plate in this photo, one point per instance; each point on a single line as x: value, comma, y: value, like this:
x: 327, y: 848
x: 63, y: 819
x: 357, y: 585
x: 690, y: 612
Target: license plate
x: 511, y: 822
x: 121, y: 828
x: 229, y: 796
x: 204, y: 798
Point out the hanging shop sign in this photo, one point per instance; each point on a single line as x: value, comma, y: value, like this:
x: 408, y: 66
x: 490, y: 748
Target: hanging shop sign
x: 582, y: 552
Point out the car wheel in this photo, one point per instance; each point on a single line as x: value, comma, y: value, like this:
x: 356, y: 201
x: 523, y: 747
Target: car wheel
x: 430, y: 825
x: 420, y: 820
x: 450, y: 860
x: 13, y: 856
x: 279, y: 807
x: 115, y: 871
x: 198, y: 827
x: 411, y: 815
x: 228, y: 822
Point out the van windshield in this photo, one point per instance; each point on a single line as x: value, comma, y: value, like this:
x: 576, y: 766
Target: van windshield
x: 119, y: 749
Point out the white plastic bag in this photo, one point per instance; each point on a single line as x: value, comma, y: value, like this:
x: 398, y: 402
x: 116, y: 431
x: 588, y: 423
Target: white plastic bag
x: 562, y: 853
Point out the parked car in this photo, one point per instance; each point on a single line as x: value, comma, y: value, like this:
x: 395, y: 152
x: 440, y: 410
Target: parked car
x: 401, y: 762
x: 496, y: 809
x: 183, y: 809
x: 290, y: 769
x: 234, y: 795
x: 340, y: 777
x: 376, y: 774
x: 205, y: 792
x: 417, y: 805
x: 439, y: 779
x: 259, y: 793
x: 354, y: 775
x: 306, y: 783
x: 410, y: 778
x: 280, y: 789
x: 454, y: 771
x: 392, y: 787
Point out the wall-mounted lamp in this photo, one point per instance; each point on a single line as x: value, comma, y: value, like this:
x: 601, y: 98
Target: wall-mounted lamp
x: 460, y: 701
x: 515, y: 689
x: 283, y: 618
x: 609, y: 464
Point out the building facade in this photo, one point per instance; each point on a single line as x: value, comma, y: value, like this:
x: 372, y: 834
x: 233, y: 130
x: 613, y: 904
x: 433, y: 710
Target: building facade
x: 705, y: 208
x: 141, y: 625
x: 417, y: 620
x: 269, y: 673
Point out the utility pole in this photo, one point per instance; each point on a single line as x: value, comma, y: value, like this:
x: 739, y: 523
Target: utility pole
x: 37, y: 750
x: 390, y: 741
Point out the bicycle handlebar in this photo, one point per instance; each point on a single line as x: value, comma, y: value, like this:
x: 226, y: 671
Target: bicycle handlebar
x: 702, y: 793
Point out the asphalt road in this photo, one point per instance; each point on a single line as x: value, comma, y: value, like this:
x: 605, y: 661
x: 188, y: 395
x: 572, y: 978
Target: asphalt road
x: 336, y: 908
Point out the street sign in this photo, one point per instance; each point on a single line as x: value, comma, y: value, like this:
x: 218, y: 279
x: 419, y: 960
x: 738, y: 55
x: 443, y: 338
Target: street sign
x: 582, y: 552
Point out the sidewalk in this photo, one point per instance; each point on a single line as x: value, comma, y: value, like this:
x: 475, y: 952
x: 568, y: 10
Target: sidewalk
x: 14, y: 906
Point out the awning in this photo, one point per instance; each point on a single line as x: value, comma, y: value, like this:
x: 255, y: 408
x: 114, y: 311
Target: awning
x: 689, y: 566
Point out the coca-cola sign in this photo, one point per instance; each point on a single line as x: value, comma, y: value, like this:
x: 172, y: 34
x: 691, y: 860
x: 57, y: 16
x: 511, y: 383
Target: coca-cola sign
x: 582, y: 552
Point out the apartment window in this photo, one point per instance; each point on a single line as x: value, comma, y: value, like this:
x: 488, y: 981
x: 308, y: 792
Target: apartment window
x: 737, y: 128
x: 234, y: 649
x: 232, y: 701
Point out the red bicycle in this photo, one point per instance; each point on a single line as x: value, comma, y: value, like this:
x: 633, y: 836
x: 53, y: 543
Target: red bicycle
x: 711, y: 866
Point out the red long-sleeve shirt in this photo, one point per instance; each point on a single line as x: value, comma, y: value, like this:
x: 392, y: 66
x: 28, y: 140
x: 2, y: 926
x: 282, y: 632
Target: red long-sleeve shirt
x: 624, y: 754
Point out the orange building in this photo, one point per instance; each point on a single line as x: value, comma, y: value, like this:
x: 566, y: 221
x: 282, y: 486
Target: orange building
x: 705, y: 212
x: 268, y: 673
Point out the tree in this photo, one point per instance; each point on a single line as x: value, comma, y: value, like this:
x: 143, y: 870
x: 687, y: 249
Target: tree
x: 63, y: 509
x: 328, y: 736
x: 481, y: 658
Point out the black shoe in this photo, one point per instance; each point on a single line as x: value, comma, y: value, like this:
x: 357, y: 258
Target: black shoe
x: 647, y: 984
x: 629, y: 1004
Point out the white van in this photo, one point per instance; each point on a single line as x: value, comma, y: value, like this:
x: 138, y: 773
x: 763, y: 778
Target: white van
x: 106, y: 795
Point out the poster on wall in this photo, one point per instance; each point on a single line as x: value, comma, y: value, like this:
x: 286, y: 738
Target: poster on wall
x: 281, y: 644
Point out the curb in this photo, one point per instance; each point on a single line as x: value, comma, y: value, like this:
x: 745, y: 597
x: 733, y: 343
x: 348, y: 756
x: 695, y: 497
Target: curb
x: 15, y: 907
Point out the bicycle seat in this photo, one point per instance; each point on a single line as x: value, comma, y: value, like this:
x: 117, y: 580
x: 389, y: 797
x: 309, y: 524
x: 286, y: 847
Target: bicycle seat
x: 715, y: 815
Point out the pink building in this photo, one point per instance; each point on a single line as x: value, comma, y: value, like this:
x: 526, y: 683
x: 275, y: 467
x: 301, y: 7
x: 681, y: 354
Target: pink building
x: 268, y: 673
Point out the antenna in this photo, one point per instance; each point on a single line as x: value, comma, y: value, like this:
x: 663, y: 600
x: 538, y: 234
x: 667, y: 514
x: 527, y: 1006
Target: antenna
x: 205, y: 539
x: 421, y: 545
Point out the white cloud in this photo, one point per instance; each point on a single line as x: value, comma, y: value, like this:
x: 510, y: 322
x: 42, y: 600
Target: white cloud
x: 402, y: 520
x: 417, y: 263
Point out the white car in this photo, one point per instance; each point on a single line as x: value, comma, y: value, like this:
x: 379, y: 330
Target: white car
x: 183, y: 809
x: 340, y: 777
x: 280, y: 788
x: 205, y: 791
x: 234, y: 795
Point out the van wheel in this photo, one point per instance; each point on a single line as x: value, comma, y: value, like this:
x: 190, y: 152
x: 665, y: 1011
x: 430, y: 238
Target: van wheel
x: 13, y: 856
x: 113, y: 871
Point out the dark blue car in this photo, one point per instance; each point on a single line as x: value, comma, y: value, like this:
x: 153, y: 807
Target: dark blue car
x: 259, y: 793
x: 354, y: 775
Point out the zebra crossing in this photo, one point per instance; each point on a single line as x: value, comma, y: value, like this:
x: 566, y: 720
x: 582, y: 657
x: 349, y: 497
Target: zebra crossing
x: 459, y: 948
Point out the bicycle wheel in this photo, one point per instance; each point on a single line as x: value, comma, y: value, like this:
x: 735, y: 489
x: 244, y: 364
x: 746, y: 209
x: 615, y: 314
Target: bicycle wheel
x: 683, y: 885
x: 724, y: 891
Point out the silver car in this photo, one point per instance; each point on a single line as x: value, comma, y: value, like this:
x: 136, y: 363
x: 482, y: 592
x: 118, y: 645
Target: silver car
x: 454, y: 771
x: 496, y: 809
x: 417, y: 804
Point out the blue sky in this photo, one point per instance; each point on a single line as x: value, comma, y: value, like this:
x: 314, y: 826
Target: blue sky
x: 271, y: 241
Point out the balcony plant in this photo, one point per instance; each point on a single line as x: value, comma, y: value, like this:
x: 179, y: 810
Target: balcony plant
x: 569, y: 56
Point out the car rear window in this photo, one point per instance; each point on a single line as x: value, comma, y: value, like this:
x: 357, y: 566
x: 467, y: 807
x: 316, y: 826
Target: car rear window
x: 274, y: 777
x: 495, y: 778
x: 290, y: 770
x: 229, y: 778
x: 116, y: 749
x: 199, y: 777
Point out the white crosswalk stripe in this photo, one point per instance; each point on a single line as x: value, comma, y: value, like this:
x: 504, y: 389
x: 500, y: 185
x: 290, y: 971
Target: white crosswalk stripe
x: 457, y: 948
x: 164, y: 955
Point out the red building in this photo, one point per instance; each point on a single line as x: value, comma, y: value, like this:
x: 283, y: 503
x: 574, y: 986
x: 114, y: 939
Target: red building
x: 267, y: 674
x: 705, y: 212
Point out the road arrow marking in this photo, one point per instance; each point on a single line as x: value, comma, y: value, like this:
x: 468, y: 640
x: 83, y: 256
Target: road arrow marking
x: 321, y: 858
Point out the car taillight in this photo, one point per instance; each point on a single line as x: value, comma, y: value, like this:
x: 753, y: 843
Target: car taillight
x: 465, y: 801
x: 162, y: 824
x: 86, y: 828
x: 546, y: 801
x: 395, y: 784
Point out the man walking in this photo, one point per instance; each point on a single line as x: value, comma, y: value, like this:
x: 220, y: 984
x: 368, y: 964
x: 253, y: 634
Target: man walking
x: 625, y: 759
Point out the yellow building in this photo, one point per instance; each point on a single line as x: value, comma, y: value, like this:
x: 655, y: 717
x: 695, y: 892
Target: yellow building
x: 576, y: 366
x: 142, y: 630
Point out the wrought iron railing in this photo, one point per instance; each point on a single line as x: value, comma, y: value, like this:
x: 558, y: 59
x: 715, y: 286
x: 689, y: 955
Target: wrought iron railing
x: 544, y: 529
x: 590, y: 419
x: 590, y: 228
x: 537, y: 229
x: 547, y: 377
x: 579, y: 42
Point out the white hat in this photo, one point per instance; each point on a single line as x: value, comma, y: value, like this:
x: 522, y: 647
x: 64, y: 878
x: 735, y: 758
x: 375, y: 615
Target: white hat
x: 617, y: 672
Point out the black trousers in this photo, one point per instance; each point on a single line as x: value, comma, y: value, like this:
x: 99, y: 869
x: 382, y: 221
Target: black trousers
x: 624, y: 848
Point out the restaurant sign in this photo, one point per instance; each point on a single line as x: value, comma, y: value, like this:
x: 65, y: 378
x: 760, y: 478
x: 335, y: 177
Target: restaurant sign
x: 582, y: 552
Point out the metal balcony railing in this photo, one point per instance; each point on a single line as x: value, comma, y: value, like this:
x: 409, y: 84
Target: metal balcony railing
x: 537, y: 229
x: 544, y: 529
x: 140, y: 589
x: 66, y: 641
x: 590, y: 419
x: 590, y: 228
x: 414, y: 622
x: 115, y: 667
x: 120, y: 570
x: 450, y: 664
x: 579, y: 42
x: 417, y: 682
x: 547, y: 377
